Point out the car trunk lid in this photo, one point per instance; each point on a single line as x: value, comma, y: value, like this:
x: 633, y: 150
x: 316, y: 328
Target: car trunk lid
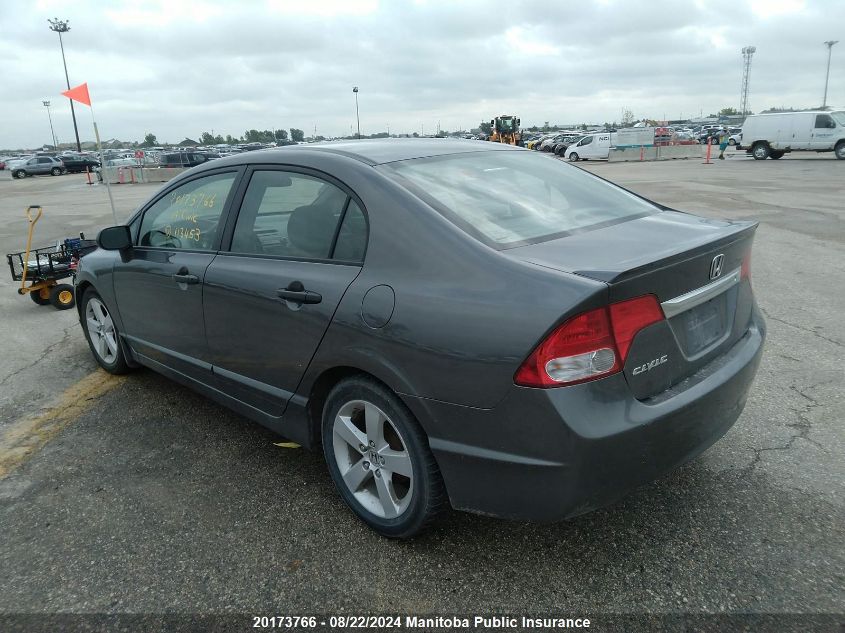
x: 694, y: 266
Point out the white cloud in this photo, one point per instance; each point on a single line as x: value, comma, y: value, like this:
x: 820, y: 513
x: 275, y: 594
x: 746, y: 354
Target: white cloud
x: 179, y: 68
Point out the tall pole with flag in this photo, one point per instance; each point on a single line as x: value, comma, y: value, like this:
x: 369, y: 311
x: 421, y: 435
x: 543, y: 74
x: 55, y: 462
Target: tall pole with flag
x: 80, y: 93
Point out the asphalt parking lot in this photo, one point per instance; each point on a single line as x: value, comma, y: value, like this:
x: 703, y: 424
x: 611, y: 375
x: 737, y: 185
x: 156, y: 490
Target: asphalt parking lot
x: 137, y: 495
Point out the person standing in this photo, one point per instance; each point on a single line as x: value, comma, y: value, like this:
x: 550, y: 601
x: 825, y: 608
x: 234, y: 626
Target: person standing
x: 724, y: 137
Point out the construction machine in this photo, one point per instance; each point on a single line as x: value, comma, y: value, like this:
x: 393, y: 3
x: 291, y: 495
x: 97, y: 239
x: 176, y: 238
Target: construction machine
x: 505, y: 129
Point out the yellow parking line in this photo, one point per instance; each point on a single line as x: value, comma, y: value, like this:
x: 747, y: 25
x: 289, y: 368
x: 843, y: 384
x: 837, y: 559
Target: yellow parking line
x: 26, y: 436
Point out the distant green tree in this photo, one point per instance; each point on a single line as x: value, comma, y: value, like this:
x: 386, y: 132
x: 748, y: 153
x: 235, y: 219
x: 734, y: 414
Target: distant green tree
x: 209, y: 139
x: 297, y: 135
x: 230, y: 140
x: 728, y: 112
x: 280, y: 135
x: 485, y: 127
x: 150, y: 140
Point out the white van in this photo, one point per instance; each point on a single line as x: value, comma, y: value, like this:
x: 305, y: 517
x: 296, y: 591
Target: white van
x: 591, y: 146
x: 773, y: 135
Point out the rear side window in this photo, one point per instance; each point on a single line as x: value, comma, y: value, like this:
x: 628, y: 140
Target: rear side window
x: 510, y: 198
x: 188, y: 217
x: 352, y: 237
x: 288, y: 214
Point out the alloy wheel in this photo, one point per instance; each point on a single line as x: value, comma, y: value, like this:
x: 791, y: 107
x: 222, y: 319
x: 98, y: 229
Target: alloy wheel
x: 373, y: 459
x: 101, y: 330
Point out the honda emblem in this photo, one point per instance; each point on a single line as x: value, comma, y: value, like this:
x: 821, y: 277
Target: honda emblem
x: 716, y: 266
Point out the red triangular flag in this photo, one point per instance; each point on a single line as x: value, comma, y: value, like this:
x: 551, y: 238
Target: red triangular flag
x: 80, y: 93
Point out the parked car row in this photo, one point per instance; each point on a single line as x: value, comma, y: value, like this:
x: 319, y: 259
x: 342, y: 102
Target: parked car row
x: 44, y: 164
x: 556, y: 142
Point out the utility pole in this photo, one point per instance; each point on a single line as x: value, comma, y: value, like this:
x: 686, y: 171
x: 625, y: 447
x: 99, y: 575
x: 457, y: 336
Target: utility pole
x: 747, y: 52
x: 52, y: 132
x: 357, y: 118
x: 829, y: 45
x: 61, y: 26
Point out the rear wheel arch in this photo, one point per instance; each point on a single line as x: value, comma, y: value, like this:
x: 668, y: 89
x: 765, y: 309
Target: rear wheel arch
x: 328, y: 378
x: 321, y: 388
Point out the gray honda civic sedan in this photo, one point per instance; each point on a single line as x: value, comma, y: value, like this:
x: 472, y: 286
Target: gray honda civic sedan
x: 453, y: 323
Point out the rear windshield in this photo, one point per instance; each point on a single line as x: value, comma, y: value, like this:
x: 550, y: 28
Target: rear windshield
x: 507, y: 199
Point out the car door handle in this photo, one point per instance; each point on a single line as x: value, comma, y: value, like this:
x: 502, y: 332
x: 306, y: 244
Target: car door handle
x: 185, y: 278
x: 296, y: 293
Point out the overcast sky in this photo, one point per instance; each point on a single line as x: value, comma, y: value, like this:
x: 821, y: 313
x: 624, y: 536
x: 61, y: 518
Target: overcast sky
x: 177, y: 68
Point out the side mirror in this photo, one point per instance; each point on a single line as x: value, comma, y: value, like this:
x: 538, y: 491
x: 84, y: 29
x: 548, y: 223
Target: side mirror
x: 114, y: 238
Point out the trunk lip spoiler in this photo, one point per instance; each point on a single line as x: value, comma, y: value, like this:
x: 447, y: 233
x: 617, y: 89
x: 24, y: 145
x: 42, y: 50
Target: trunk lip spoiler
x: 693, y: 298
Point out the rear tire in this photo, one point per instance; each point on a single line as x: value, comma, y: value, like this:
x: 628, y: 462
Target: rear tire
x: 41, y: 296
x: 379, y: 459
x: 102, y: 334
x: 839, y: 150
x: 19, y: 173
x: 62, y: 297
x: 761, y: 151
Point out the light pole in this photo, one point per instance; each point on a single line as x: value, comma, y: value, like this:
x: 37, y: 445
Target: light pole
x: 829, y: 45
x: 61, y: 26
x: 747, y: 53
x: 357, y: 118
x: 52, y: 132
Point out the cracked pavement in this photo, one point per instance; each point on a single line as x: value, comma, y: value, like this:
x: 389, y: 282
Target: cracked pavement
x: 155, y: 499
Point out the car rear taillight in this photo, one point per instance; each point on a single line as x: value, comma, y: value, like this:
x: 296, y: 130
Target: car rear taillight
x: 745, y: 271
x: 588, y: 346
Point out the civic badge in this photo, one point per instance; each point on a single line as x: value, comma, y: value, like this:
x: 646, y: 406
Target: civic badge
x: 716, y: 266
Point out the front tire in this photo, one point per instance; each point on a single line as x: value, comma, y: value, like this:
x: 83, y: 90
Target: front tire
x: 379, y: 459
x: 101, y: 334
x: 777, y: 154
x: 56, y: 171
x: 574, y: 157
x: 761, y: 151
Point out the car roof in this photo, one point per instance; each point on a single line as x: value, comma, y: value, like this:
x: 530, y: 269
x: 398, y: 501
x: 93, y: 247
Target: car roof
x: 378, y: 151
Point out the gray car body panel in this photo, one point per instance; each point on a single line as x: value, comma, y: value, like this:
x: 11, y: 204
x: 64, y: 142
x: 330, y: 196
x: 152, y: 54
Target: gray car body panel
x: 463, y: 317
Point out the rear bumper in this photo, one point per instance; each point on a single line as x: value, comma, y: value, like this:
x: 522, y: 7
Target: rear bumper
x: 550, y: 454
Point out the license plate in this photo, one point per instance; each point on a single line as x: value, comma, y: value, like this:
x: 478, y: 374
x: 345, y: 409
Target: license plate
x: 705, y: 324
